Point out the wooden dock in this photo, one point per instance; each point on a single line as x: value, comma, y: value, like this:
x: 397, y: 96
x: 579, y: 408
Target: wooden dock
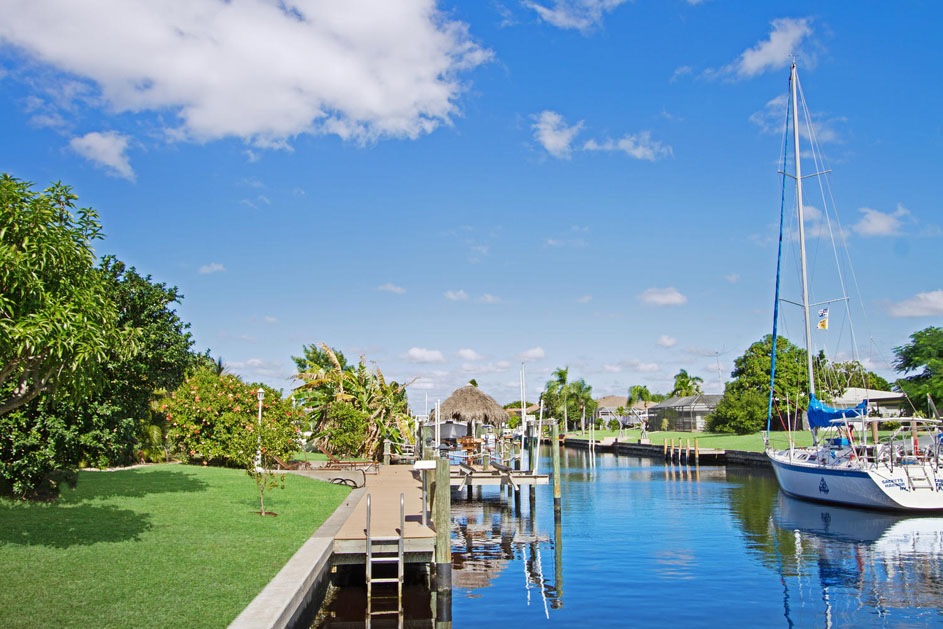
x: 384, y: 489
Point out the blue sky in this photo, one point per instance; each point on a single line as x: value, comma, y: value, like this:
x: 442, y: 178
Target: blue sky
x: 455, y: 188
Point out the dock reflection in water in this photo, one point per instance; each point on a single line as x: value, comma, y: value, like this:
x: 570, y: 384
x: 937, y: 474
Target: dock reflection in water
x: 642, y: 543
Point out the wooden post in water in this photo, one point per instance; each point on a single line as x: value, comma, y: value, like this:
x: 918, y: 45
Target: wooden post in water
x: 671, y: 451
x: 557, y: 602
x: 555, y: 456
x: 687, y: 451
x: 697, y: 454
x: 664, y: 447
x: 442, y: 518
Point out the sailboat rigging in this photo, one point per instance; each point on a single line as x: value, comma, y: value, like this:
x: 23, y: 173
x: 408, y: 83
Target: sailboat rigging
x: 900, y: 471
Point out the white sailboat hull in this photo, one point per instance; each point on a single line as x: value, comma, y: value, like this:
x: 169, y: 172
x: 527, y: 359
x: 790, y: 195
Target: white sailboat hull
x: 911, y: 487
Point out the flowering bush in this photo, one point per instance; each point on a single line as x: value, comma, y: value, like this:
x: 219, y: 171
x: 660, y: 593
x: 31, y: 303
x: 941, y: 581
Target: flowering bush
x: 211, y: 416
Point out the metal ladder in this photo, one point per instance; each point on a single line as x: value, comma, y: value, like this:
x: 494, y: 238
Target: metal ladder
x: 921, y: 480
x: 380, y: 550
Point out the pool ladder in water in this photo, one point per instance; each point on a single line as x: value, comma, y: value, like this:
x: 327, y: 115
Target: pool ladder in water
x: 381, y: 551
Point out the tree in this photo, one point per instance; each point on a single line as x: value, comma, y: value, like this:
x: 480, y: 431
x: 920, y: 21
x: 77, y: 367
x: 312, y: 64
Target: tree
x: 742, y: 412
x: 686, y: 384
x: 639, y: 393
x: 116, y: 420
x: 556, y: 392
x: 320, y: 357
x: 924, y: 353
x: 57, y: 323
x: 364, y: 389
x: 581, y: 397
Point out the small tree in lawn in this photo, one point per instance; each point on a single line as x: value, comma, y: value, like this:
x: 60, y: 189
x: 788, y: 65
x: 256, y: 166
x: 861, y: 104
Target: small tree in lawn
x: 256, y: 447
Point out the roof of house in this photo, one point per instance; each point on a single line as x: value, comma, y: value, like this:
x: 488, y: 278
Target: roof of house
x: 854, y: 395
x: 612, y: 401
x: 704, y: 400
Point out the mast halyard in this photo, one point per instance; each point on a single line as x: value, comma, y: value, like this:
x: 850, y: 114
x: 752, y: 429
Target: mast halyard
x: 805, y: 285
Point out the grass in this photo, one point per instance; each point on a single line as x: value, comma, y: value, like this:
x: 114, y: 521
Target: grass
x: 160, y: 546
x: 719, y: 440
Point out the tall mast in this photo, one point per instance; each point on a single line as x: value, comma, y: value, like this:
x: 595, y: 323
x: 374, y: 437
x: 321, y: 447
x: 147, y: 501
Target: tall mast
x: 805, y: 282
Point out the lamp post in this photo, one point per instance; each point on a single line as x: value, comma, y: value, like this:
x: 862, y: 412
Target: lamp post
x: 258, y: 452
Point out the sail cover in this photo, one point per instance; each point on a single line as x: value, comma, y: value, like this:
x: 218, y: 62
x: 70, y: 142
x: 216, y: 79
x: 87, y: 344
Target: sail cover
x: 820, y: 416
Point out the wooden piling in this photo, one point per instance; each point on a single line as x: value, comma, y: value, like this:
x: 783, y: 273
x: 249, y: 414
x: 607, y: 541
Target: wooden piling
x: 687, y: 451
x: 442, y: 518
x: 697, y: 453
x: 555, y: 456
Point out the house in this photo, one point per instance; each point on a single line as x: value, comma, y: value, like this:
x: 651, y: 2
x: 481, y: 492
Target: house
x: 606, y: 408
x: 880, y: 403
x: 683, y: 413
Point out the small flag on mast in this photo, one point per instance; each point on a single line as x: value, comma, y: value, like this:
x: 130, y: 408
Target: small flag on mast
x: 823, y: 319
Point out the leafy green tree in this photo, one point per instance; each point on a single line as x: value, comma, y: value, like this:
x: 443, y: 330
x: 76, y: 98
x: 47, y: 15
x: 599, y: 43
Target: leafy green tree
x: 923, y: 359
x: 639, y: 393
x: 742, y: 412
x: 57, y: 322
x: 256, y: 447
x: 686, y: 384
x: 118, y: 419
x: 581, y: 400
x: 316, y: 357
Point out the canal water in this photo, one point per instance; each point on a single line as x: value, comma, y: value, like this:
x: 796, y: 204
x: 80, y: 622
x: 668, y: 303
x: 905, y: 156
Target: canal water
x: 643, y: 543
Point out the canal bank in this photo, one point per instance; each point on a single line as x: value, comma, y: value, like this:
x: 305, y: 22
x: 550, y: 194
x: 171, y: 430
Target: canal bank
x: 687, y: 452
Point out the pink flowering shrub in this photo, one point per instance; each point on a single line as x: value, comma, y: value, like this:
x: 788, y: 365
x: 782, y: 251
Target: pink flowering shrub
x: 212, y: 416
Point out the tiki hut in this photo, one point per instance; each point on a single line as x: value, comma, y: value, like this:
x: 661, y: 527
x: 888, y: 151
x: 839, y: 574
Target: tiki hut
x: 471, y: 406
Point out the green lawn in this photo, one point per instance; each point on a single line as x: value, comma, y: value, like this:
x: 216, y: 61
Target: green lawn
x: 160, y: 546
x: 720, y: 440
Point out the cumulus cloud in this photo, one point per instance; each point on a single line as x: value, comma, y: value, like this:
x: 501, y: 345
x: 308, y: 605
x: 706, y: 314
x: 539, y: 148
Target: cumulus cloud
x: 488, y: 298
x: 468, y: 354
x: 259, y: 368
x: 554, y: 134
x: 585, y: 299
x: 632, y: 364
x: 453, y: 295
x: 423, y: 355
x: 663, y: 297
x: 535, y: 353
x: 771, y: 119
x: 485, y: 368
x: 107, y: 150
x: 875, y: 223
x: 920, y: 305
x: 638, y: 145
x: 259, y: 70
x: 270, y: 319
x: 581, y: 15
x: 212, y: 267
x: 666, y: 341
x: 775, y: 52
x: 733, y: 278
x: 389, y: 287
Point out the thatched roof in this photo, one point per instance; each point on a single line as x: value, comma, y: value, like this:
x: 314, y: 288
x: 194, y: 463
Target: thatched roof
x: 470, y: 403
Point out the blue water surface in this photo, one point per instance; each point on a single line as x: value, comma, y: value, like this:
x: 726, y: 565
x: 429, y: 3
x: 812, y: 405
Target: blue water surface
x: 641, y: 543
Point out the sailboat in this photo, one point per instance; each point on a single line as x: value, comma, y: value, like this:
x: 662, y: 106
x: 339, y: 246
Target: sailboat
x: 899, y: 472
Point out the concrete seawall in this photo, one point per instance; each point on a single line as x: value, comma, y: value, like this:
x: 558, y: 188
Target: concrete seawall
x: 729, y: 457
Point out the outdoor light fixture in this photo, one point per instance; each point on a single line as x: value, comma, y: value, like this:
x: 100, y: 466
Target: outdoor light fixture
x: 258, y: 452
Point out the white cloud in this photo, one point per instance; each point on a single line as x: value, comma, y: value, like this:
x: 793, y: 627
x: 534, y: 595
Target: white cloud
x: 423, y: 384
x: 488, y: 298
x: 107, y: 150
x: 875, y: 223
x: 469, y: 354
x: 733, y: 278
x: 459, y: 295
x: 212, y: 267
x: 638, y: 145
x: 260, y: 368
x: 920, y: 305
x: 485, y: 368
x: 777, y: 51
x: 535, y: 353
x: 663, y: 297
x: 632, y: 364
x: 247, y: 338
x: 260, y: 70
x: 392, y: 288
x: 581, y: 15
x: 585, y: 299
x: 680, y: 71
x: 269, y: 319
x: 666, y: 341
x: 771, y: 119
x: 422, y: 355
x: 552, y: 132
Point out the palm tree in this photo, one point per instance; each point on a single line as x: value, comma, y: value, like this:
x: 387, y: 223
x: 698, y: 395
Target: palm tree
x: 581, y: 394
x: 558, y: 389
x: 686, y: 384
x: 639, y: 393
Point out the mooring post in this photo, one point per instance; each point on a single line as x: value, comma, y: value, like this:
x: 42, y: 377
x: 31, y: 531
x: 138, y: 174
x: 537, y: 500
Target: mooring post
x: 687, y: 451
x: 442, y: 518
x: 555, y: 455
x: 697, y: 453
x: 557, y: 602
x: 664, y: 447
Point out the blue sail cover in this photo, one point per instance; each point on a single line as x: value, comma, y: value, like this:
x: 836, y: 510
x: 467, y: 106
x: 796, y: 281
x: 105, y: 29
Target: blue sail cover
x: 821, y: 416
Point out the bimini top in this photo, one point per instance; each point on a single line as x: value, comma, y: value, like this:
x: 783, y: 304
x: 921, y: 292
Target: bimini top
x: 820, y: 416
